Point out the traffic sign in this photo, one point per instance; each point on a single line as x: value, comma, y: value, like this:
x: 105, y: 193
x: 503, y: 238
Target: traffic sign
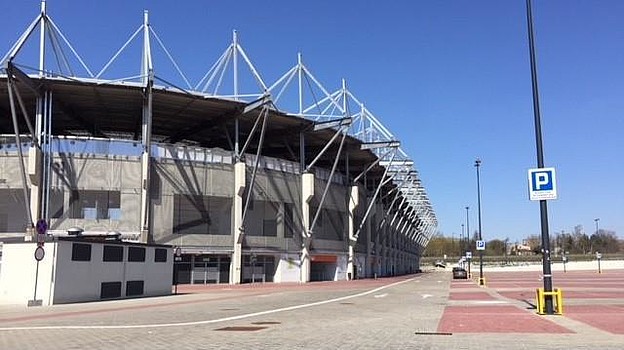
x: 469, y: 255
x: 480, y: 245
x: 542, y: 184
x: 42, y: 227
x: 39, y: 253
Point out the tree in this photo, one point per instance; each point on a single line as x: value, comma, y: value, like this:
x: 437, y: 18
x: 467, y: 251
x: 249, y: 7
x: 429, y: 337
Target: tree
x: 495, y: 247
x: 582, y: 244
x: 604, y: 241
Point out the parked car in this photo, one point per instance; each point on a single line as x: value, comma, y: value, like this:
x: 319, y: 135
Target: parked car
x: 460, y: 273
x: 440, y: 263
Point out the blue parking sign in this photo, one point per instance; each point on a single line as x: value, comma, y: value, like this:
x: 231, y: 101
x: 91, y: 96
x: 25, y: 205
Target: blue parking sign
x: 542, y: 184
x: 480, y: 245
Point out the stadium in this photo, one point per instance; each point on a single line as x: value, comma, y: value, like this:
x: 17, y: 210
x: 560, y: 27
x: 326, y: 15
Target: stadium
x: 291, y: 182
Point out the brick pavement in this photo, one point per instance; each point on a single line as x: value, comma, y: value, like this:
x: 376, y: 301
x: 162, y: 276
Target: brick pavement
x: 345, y: 315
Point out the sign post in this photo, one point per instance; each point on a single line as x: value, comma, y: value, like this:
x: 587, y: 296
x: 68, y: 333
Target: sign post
x: 177, y: 257
x: 41, y: 228
x: 599, y: 256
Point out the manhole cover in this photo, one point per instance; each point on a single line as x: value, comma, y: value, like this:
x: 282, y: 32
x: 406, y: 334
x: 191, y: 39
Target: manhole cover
x: 241, y: 328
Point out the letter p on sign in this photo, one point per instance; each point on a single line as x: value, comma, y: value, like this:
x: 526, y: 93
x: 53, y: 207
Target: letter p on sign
x: 542, y: 184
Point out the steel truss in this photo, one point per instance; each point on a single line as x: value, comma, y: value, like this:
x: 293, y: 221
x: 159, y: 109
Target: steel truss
x: 338, y: 108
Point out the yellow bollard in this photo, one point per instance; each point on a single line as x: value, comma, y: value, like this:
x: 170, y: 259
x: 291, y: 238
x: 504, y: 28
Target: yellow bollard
x: 540, y: 297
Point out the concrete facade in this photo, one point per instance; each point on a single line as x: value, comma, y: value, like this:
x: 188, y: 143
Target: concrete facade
x: 67, y: 275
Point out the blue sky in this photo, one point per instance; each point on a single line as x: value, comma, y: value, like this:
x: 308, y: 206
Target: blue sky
x: 450, y: 79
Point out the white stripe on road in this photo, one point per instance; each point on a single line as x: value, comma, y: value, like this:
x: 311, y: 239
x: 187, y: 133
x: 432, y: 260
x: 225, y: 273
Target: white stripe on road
x: 225, y: 319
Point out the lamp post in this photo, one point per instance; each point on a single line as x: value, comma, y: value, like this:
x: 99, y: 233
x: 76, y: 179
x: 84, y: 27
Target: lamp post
x: 548, y: 302
x: 461, y: 243
x: 468, y: 240
x: 478, y: 165
x: 467, y: 227
x: 597, y: 220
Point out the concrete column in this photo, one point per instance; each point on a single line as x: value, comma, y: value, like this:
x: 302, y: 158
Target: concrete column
x: 34, y: 176
x: 237, y: 228
x: 354, y: 201
x: 369, y: 245
x: 307, y: 193
x: 145, y: 205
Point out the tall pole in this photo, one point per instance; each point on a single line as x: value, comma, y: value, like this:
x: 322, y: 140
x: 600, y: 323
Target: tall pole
x: 467, y: 228
x: 468, y: 240
x: 461, y: 242
x: 540, y: 164
x: 478, y: 165
x: 597, y: 220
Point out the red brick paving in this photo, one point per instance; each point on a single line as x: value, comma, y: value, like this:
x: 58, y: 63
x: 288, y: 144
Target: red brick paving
x: 606, y: 312
x: 524, y: 295
x: 463, y: 285
x: 607, y: 318
x: 495, y: 319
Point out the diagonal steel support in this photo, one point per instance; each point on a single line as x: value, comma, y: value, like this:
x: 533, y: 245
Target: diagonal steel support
x: 23, y: 78
x: 331, y: 175
x: 18, y: 144
x: 262, y: 102
x: 265, y: 116
x: 322, y: 152
x: 382, y: 183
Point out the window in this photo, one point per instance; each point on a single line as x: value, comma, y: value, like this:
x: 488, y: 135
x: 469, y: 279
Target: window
x: 110, y: 290
x: 269, y: 227
x: 95, y: 205
x: 289, y: 222
x: 113, y: 253
x: 134, y: 288
x: 160, y: 255
x: 12, y: 213
x: 57, y: 198
x: 136, y: 254
x: 81, y: 252
x: 202, y: 215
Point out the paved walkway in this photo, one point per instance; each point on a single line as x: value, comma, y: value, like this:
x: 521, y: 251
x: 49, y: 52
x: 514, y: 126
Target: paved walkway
x: 426, y: 311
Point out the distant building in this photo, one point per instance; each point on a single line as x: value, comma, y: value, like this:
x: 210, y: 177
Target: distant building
x: 521, y: 249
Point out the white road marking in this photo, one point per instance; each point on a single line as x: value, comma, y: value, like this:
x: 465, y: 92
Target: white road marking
x: 224, y: 319
x: 381, y: 295
x: 425, y: 296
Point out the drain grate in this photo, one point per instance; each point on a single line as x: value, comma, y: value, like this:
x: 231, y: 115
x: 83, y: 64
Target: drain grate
x: 230, y: 309
x: 241, y: 328
x: 266, y: 322
x: 347, y: 303
x: 433, y: 333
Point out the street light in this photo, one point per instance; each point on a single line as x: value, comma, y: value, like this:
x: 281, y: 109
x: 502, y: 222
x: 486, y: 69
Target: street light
x: 549, y: 309
x: 597, y: 220
x: 478, y: 165
x: 461, y: 242
x: 467, y: 227
x: 468, y: 241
